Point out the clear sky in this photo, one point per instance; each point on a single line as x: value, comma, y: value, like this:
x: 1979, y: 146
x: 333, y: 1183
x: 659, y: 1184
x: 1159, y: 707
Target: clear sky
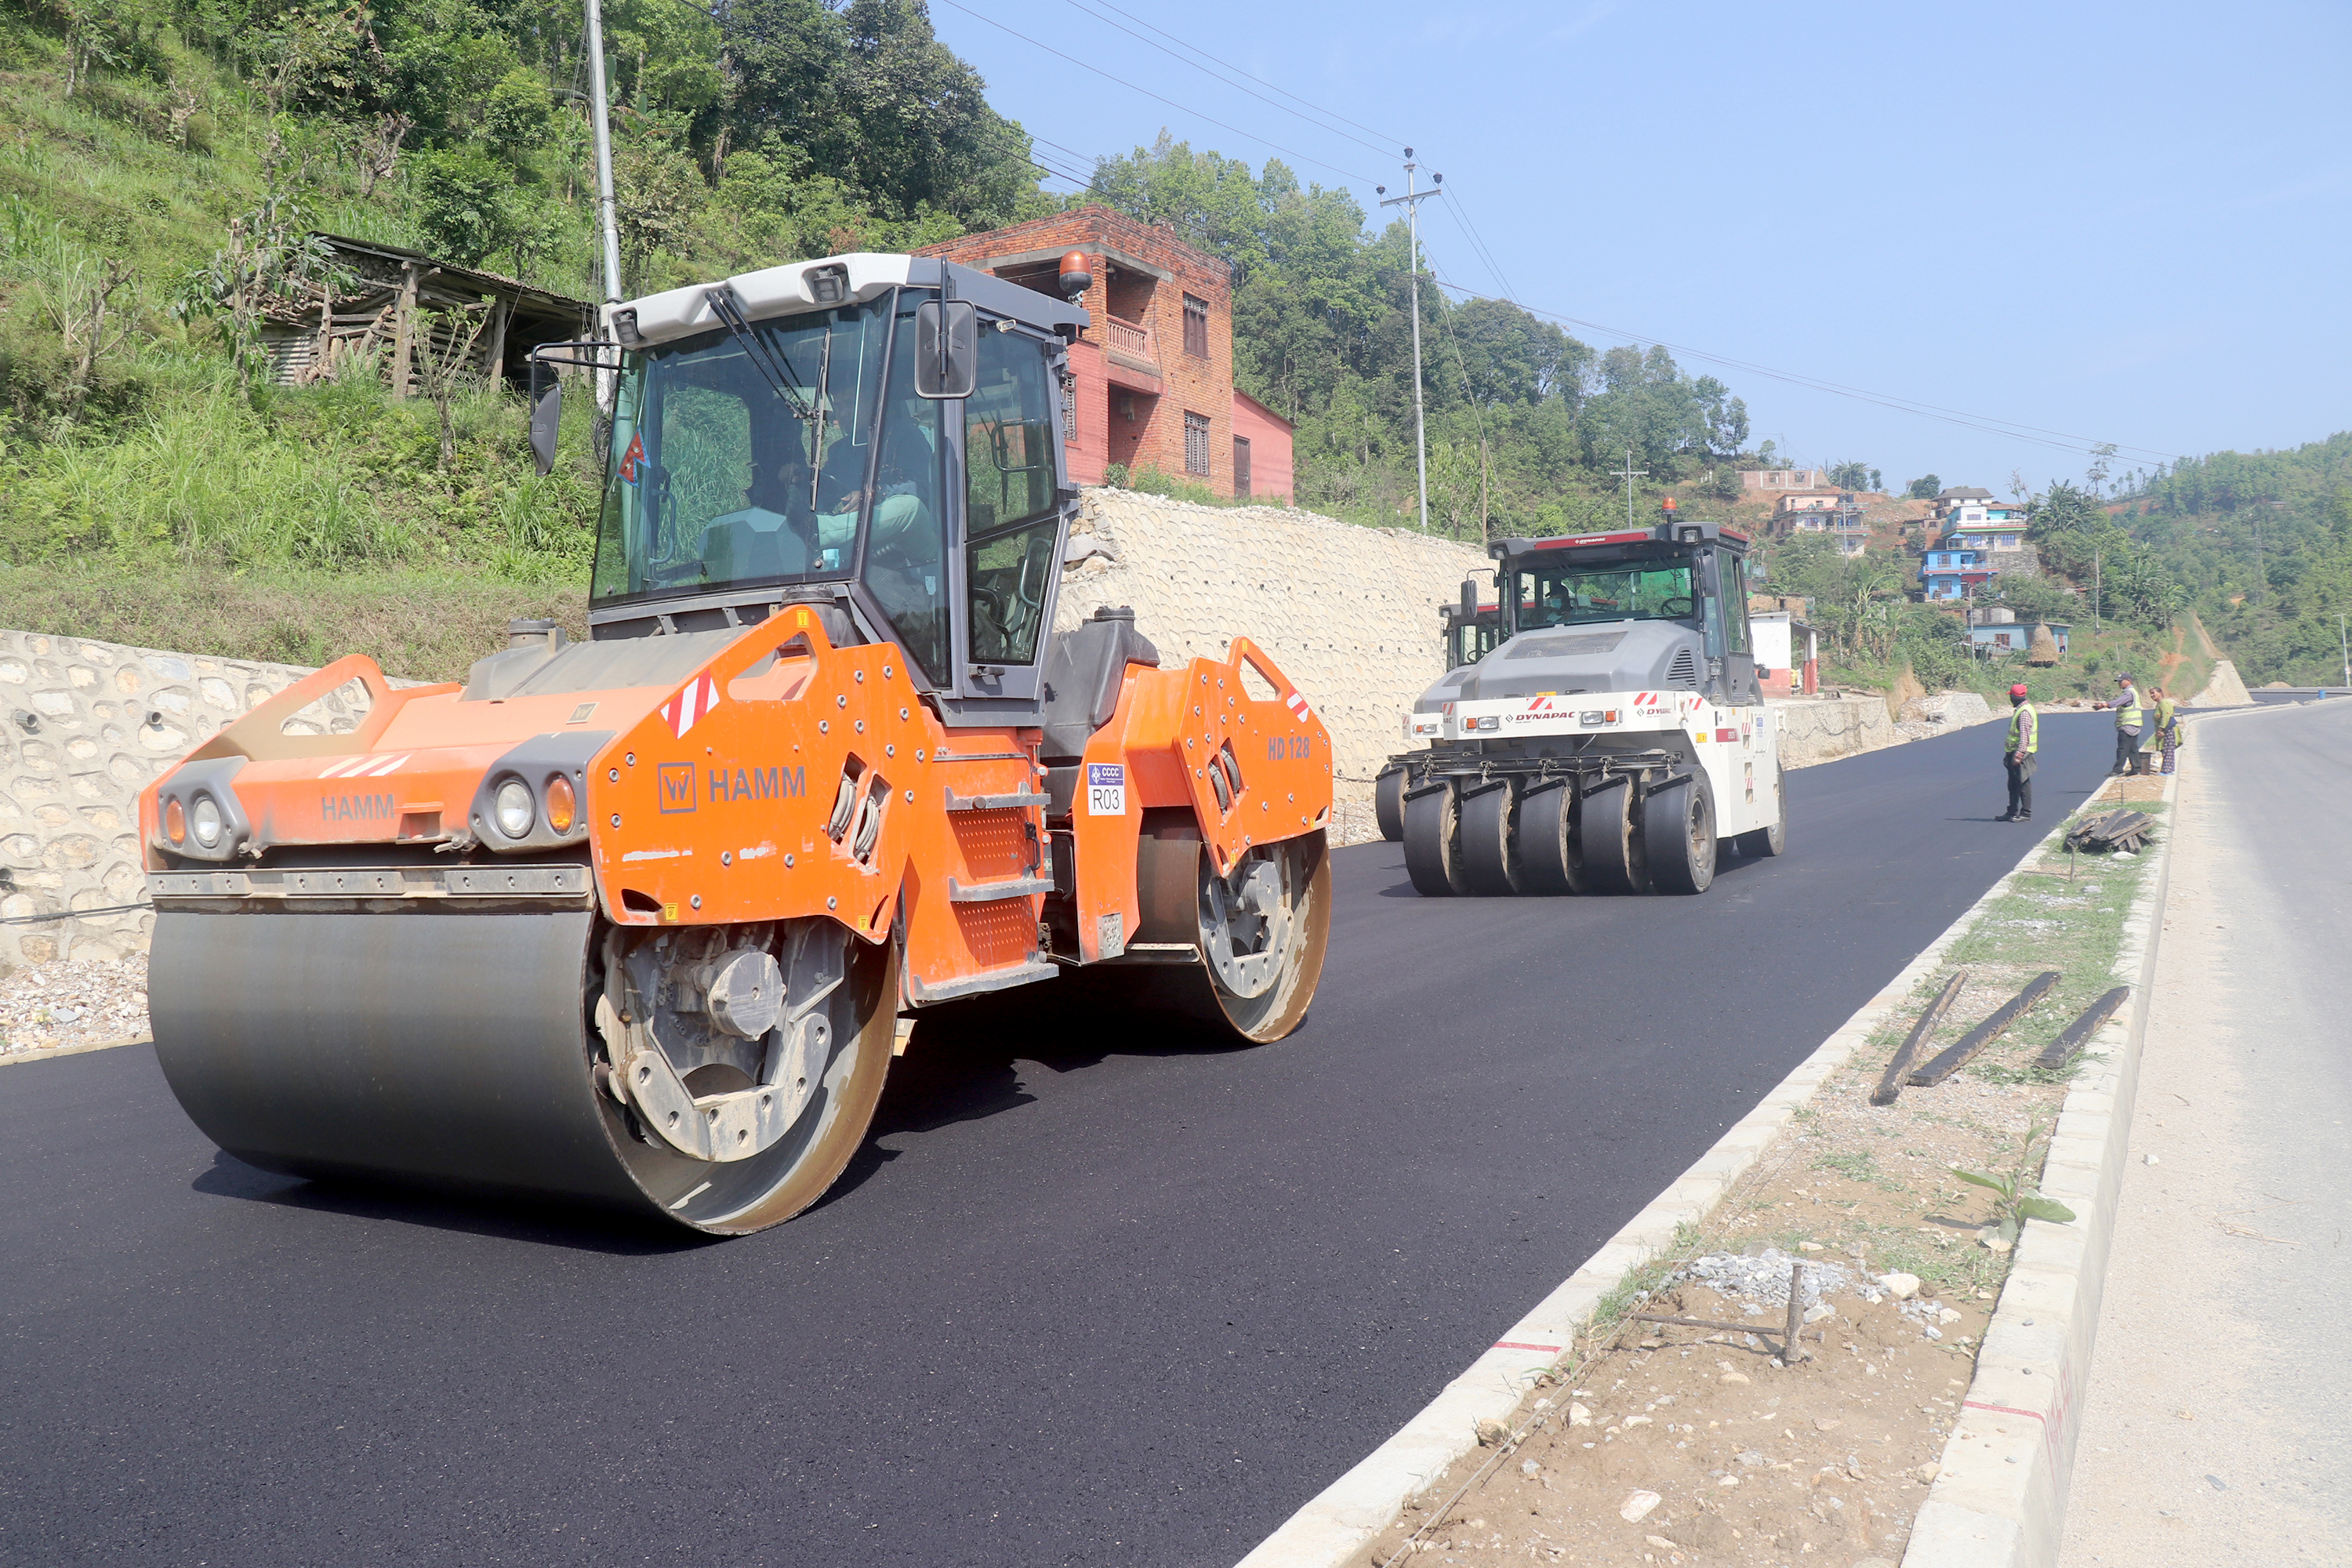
x: 2124, y: 222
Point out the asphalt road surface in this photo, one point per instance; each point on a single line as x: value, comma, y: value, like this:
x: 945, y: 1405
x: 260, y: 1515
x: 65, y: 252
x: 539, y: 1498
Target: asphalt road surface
x: 1091, y: 1295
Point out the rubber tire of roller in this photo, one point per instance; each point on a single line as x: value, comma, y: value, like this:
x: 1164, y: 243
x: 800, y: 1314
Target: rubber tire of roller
x: 1433, y: 844
x: 1761, y: 842
x: 1388, y: 804
x: 1678, y: 835
x: 1607, y: 828
x: 1490, y: 854
x: 1551, y: 856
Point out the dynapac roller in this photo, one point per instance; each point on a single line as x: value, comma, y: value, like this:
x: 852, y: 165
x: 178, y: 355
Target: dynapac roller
x: 633, y: 920
x: 1617, y: 740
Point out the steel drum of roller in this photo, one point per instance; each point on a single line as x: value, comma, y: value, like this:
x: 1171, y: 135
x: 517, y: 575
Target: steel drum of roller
x: 458, y: 1049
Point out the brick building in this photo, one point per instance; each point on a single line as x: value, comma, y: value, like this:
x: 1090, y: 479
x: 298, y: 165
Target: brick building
x: 1155, y: 372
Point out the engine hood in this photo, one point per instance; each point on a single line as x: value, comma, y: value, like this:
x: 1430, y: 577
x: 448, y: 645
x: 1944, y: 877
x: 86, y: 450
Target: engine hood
x: 1610, y: 656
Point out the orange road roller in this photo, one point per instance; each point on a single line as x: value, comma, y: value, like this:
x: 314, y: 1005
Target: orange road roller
x: 636, y: 920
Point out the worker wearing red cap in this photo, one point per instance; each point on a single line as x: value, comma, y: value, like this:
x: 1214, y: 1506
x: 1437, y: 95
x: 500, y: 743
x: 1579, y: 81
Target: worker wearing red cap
x: 2024, y: 740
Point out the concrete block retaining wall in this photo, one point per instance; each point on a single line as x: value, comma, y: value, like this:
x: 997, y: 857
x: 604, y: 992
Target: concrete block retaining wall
x: 1349, y: 613
x: 86, y: 726
x: 1816, y: 729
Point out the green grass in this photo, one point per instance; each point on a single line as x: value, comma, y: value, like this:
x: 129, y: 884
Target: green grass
x: 425, y: 624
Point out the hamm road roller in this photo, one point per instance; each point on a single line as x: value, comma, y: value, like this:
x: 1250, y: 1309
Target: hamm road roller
x: 635, y: 920
x: 1616, y: 739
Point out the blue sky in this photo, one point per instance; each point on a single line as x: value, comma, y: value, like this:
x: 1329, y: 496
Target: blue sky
x: 2119, y: 223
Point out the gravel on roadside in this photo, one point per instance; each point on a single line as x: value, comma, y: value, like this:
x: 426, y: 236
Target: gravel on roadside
x: 72, y: 1002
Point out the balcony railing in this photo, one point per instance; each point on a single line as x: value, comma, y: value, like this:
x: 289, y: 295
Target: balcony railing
x: 1129, y: 339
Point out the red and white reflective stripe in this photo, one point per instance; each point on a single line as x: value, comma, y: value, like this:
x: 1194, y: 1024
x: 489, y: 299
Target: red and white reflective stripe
x: 1297, y: 703
x: 1644, y: 699
x: 681, y: 712
x: 366, y: 766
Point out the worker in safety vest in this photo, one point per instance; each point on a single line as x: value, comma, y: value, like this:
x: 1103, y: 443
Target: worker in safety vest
x: 2128, y: 717
x: 2024, y: 740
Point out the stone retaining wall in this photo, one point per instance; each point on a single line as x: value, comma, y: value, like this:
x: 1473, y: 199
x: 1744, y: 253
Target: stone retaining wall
x: 1818, y: 728
x: 1349, y: 613
x: 88, y: 725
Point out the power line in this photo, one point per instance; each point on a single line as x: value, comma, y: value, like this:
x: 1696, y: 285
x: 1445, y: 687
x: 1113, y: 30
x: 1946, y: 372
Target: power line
x: 1990, y: 424
x: 1131, y: 87
x: 1224, y: 81
x: 1238, y: 70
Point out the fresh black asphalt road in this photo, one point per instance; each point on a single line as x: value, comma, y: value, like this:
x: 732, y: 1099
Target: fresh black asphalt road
x: 1091, y: 1295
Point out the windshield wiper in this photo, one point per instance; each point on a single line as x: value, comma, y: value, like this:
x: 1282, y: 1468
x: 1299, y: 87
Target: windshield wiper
x: 778, y: 375
x: 824, y: 411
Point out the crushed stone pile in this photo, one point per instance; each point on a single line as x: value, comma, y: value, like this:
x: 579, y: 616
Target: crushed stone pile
x: 1764, y: 1278
x: 73, y: 1002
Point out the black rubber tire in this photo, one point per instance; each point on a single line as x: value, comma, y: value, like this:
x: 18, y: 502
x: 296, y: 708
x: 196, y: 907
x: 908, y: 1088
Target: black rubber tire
x: 1551, y: 855
x: 1758, y: 843
x: 1678, y: 835
x: 1388, y: 804
x: 1490, y: 850
x: 1609, y: 829
x: 1433, y: 844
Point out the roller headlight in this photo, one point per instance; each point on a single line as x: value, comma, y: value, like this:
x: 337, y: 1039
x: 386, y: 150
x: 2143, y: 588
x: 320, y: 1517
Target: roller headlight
x: 515, y: 809
x: 563, y: 805
x: 204, y: 822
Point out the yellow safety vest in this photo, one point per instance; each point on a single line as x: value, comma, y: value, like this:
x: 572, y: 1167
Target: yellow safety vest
x: 2128, y: 717
x: 2027, y: 723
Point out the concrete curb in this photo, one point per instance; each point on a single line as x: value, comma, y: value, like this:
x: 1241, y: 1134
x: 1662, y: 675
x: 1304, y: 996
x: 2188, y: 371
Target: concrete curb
x: 2000, y: 1497
x: 1333, y: 1526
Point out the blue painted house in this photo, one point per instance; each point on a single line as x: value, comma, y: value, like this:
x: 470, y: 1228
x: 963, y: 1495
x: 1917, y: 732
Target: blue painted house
x: 1951, y: 572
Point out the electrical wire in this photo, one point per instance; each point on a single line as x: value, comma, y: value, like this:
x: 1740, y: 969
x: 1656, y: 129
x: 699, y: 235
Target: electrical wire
x: 73, y: 914
x: 1226, y: 82
x: 1131, y: 87
x: 1990, y: 424
x: 1333, y: 113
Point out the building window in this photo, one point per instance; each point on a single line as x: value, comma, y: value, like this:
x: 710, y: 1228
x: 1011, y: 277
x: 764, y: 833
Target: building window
x: 1241, y: 467
x: 1196, y: 328
x: 1196, y: 443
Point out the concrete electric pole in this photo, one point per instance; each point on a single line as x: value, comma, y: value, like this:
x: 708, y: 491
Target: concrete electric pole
x: 1412, y: 201
x: 601, y: 125
x: 1628, y: 473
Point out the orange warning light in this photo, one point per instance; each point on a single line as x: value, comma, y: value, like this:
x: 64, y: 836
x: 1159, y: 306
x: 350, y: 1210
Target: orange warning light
x: 175, y: 823
x: 563, y: 805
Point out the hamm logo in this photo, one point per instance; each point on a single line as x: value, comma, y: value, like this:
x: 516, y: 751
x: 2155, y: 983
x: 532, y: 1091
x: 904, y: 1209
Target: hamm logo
x: 357, y: 808
x: 677, y: 786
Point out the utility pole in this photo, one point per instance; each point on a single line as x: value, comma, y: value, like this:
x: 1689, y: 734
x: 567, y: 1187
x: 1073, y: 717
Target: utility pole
x: 600, y: 123
x: 2094, y: 590
x: 1482, y: 490
x: 1412, y: 201
x: 1628, y: 473
x: 2344, y: 643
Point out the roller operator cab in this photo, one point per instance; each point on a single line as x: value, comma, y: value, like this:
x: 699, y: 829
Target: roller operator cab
x: 1616, y: 740
x: 635, y: 920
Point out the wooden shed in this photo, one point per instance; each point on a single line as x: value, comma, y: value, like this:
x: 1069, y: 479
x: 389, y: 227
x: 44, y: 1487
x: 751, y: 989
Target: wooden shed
x: 390, y: 301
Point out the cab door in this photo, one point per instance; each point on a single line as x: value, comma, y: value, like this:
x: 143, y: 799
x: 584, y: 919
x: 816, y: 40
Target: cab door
x: 1011, y: 519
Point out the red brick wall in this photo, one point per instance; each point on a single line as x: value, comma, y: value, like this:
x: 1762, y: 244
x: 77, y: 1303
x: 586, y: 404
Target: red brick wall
x: 1185, y: 383
x: 1270, y: 449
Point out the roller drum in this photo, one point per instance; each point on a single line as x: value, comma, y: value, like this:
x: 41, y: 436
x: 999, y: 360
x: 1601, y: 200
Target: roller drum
x: 454, y: 1049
